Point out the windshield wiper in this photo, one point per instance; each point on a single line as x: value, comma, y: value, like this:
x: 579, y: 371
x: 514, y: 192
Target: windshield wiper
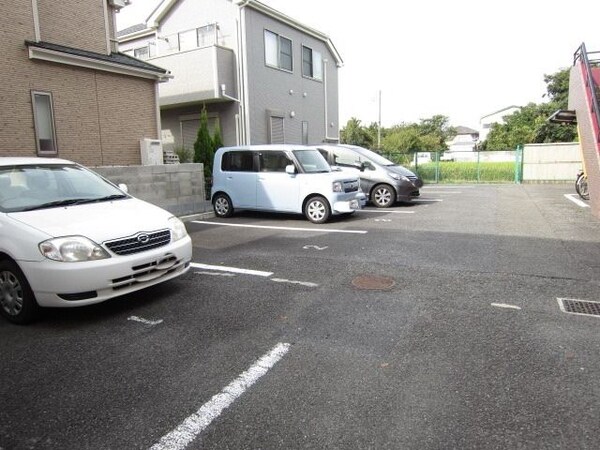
x: 74, y: 201
x: 57, y: 203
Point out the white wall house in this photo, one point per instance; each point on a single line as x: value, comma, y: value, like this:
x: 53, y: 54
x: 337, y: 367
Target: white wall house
x: 486, y: 122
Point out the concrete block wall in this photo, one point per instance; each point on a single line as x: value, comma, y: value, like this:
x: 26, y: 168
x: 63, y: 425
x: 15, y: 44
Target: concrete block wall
x: 178, y: 188
x: 551, y: 162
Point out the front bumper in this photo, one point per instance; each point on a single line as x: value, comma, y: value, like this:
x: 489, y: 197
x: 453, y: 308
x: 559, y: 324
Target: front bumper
x: 353, y: 204
x: 59, y: 284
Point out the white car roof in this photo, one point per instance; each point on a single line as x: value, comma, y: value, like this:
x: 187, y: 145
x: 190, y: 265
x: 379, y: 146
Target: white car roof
x: 21, y: 161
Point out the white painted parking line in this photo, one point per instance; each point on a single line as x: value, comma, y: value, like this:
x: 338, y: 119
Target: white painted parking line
x: 504, y: 305
x: 426, y: 200
x: 216, y: 274
x: 444, y: 192
x: 315, y: 247
x: 191, y: 427
x: 301, y: 283
x: 145, y: 321
x: 312, y: 230
x: 574, y: 198
x: 258, y: 273
x: 385, y: 211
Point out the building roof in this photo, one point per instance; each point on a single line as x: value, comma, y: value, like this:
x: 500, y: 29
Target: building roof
x: 501, y: 110
x: 112, y: 60
x: 465, y: 130
x: 165, y: 6
x: 132, y: 29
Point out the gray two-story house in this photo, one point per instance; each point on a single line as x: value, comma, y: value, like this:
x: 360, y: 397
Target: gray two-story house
x: 263, y: 75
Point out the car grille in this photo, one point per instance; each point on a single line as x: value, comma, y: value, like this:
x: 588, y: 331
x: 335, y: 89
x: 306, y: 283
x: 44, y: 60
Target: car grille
x: 139, y: 242
x: 351, y: 186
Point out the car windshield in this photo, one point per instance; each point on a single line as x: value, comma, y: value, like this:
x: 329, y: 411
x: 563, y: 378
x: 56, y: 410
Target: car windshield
x: 312, y: 161
x: 374, y: 157
x: 33, y: 187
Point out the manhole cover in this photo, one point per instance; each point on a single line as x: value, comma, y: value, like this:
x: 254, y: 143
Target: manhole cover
x: 583, y: 307
x: 372, y: 282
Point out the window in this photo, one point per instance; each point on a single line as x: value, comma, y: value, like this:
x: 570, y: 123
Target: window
x: 278, y: 51
x: 43, y: 117
x: 238, y: 161
x: 312, y: 63
x: 274, y: 161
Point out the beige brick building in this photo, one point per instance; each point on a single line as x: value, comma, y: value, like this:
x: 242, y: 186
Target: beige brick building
x: 65, y: 91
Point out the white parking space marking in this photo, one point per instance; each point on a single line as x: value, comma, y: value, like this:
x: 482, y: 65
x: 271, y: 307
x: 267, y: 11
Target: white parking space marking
x: 574, y: 198
x: 258, y: 273
x: 314, y: 247
x: 426, y: 200
x: 382, y: 220
x: 505, y: 305
x: 145, y: 321
x: 216, y: 274
x: 191, y: 427
x: 444, y: 192
x: 301, y: 283
x: 386, y: 211
x: 312, y: 230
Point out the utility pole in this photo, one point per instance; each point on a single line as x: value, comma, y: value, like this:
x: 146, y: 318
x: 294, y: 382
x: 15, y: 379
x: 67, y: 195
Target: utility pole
x: 379, y: 124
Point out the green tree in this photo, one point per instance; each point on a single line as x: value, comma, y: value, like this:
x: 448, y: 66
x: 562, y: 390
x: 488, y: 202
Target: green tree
x: 203, y: 147
x: 530, y: 124
x: 217, y: 137
x: 356, y: 134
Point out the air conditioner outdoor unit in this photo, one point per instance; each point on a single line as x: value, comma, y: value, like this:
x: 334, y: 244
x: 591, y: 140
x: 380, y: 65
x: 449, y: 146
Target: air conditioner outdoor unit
x: 151, y: 151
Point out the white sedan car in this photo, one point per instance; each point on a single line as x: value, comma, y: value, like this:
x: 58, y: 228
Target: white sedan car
x: 69, y: 237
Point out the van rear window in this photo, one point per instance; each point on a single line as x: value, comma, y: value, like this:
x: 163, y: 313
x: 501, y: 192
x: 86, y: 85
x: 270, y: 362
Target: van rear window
x: 237, y: 161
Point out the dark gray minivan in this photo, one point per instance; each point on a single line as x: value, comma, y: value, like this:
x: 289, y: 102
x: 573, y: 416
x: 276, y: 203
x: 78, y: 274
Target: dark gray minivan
x: 383, y: 181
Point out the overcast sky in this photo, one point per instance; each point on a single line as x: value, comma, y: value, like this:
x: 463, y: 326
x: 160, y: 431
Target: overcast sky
x: 460, y: 58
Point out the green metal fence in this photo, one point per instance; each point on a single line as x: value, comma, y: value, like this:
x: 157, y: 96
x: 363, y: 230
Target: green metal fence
x: 464, y: 167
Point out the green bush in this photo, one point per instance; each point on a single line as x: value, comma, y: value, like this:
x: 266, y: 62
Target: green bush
x: 185, y: 155
x: 464, y: 172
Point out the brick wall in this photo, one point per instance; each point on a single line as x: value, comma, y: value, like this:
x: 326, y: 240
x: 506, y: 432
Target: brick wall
x: 100, y: 117
x: 78, y: 24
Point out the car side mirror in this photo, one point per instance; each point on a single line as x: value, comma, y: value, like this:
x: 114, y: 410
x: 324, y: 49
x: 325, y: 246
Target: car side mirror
x: 363, y: 166
x: 290, y: 169
x: 123, y: 187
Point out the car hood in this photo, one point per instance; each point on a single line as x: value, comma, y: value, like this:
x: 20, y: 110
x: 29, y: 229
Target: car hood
x: 97, y: 221
x: 401, y: 170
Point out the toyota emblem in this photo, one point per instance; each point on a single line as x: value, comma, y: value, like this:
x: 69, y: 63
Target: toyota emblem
x: 143, y: 238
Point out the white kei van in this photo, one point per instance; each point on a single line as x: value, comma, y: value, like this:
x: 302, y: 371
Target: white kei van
x: 282, y: 178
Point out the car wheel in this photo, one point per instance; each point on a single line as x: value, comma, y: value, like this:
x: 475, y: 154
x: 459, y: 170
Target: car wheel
x: 383, y: 196
x: 317, y: 210
x: 222, y: 205
x: 17, y: 302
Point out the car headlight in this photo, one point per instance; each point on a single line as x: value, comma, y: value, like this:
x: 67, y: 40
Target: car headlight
x: 72, y: 249
x: 337, y: 186
x: 177, y: 227
x: 398, y: 177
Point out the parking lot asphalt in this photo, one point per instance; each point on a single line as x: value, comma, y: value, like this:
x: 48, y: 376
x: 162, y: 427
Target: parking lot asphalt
x: 431, y: 325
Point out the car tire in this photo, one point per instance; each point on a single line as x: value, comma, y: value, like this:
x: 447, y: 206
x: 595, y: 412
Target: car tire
x: 17, y: 302
x: 317, y: 209
x: 222, y: 205
x: 383, y: 196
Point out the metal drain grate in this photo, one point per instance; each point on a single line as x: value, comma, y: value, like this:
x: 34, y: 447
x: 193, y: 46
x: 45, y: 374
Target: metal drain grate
x: 582, y: 307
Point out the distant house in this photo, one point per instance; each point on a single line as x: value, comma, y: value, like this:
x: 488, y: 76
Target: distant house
x: 65, y: 89
x: 263, y: 75
x: 465, y: 140
x: 486, y: 122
